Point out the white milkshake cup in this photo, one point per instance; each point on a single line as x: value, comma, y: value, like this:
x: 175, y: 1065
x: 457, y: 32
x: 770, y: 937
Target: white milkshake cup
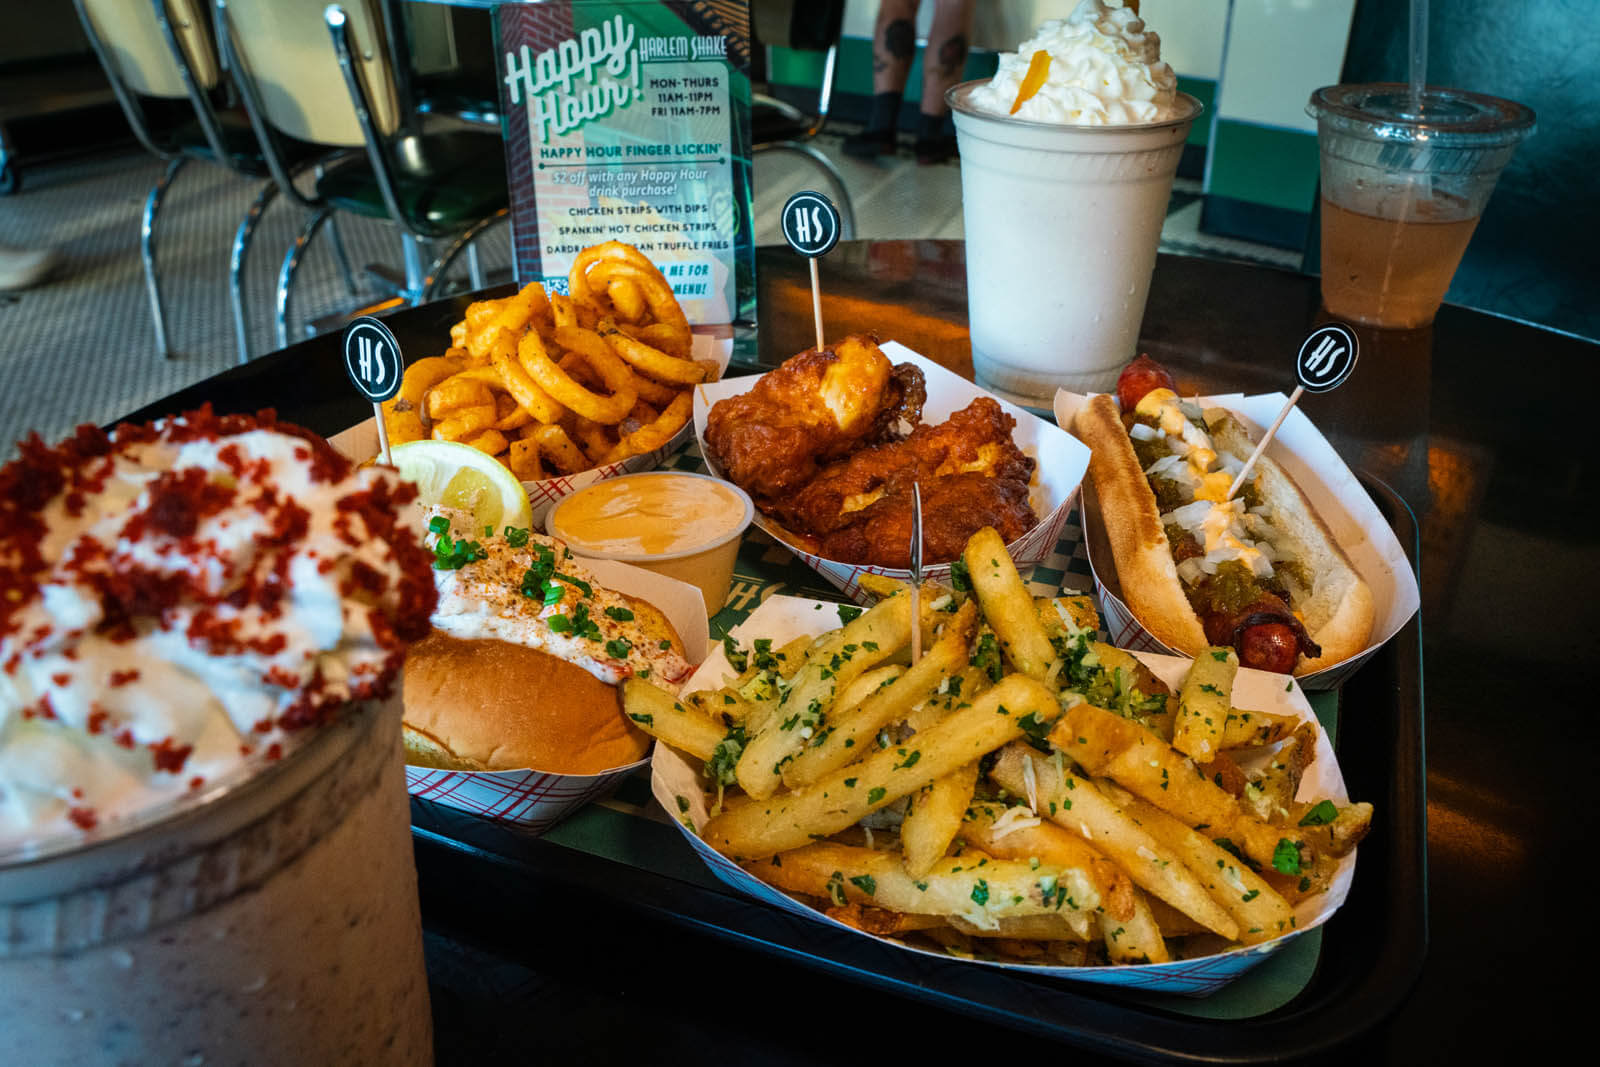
x: 1062, y: 226
x: 271, y: 920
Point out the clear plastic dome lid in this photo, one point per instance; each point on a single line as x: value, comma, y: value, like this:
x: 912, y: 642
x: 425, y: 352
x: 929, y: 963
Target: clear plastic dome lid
x: 1449, y: 118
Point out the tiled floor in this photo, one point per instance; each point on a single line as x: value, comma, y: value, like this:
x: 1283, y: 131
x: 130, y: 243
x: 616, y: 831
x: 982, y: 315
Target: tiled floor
x: 81, y: 348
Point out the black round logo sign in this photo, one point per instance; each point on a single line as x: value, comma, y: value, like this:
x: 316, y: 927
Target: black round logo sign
x: 372, y: 358
x: 810, y: 223
x: 1327, y: 357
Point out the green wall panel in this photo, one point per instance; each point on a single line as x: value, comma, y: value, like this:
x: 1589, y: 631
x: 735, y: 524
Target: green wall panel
x: 1263, y: 165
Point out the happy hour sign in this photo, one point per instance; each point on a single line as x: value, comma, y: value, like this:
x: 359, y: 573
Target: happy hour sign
x: 630, y: 121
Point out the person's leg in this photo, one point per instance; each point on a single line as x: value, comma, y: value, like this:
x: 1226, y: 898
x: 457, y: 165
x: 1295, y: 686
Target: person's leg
x: 942, y: 64
x: 894, y: 45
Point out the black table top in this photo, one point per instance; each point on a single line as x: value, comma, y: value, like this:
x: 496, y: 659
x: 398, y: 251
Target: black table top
x: 1478, y: 423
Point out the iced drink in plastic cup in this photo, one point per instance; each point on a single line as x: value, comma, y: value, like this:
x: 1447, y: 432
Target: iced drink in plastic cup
x: 1402, y: 191
x: 1063, y: 198
x: 205, y: 852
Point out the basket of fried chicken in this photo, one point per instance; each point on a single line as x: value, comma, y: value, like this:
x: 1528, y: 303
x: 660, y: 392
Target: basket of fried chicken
x: 839, y: 445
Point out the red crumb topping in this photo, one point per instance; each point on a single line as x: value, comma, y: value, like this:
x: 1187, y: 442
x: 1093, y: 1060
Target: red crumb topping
x: 124, y: 677
x: 169, y: 755
x: 84, y: 818
x: 135, y: 595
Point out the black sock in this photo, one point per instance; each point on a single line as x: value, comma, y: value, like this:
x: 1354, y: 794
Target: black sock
x: 929, y: 127
x: 885, y: 111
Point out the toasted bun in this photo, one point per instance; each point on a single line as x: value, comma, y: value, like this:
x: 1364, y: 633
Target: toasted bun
x: 1132, y: 522
x: 494, y: 706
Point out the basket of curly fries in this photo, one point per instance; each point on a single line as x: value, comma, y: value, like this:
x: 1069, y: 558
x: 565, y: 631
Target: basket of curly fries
x: 1021, y: 795
x: 565, y: 389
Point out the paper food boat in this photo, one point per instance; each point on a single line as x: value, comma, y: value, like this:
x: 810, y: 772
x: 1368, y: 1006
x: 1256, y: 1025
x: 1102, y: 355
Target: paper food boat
x: 531, y: 799
x: 1331, y: 487
x: 1062, y: 462
x: 360, y: 442
x: 782, y: 618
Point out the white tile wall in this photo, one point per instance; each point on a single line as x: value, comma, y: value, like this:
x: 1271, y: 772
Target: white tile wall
x: 1278, y: 51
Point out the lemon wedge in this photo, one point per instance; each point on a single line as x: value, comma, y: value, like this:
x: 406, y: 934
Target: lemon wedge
x: 458, y: 476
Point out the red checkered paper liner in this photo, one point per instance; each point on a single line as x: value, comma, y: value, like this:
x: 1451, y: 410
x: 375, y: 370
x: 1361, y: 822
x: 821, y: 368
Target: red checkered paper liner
x: 680, y: 787
x: 360, y: 443
x: 530, y: 800
x: 1062, y: 462
x: 535, y: 800
x: 1333, y: 490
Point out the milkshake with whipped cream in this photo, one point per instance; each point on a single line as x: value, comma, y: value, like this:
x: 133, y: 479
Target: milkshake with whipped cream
x: 1067, y: 159
x: 205, y: 849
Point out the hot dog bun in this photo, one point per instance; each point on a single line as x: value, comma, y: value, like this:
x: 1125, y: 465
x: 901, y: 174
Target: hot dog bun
x: 486, y: 705
x: 1132, y: 524
x: 1337, y: 613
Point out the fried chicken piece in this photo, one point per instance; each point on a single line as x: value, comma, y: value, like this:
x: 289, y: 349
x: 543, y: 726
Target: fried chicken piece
x: 817, y: 406
x: 971, y: 474
x: 953, y: 509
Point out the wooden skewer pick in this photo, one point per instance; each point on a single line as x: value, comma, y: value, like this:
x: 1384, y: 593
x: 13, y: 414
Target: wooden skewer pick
x: 916, y: 572
x: 1326, y: 358
x: 810, y: 224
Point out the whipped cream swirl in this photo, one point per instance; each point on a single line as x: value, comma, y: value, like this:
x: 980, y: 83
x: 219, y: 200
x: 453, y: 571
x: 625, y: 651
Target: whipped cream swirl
x: 1105, y: 70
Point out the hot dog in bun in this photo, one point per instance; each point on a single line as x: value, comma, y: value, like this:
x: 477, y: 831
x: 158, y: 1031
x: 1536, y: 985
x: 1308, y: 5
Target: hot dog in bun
x: 523, y: 667
x: 1259, y: 572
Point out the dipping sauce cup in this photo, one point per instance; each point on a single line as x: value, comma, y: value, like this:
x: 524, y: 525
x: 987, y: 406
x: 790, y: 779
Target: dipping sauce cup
x: 685, y: 526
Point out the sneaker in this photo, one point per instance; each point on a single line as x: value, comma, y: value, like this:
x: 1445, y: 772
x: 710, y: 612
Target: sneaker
x: 869, y: 144
x: 932, y: 150
x: 22, y: 268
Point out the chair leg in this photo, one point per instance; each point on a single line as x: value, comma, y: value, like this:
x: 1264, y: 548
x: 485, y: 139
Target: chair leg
x: 291, y: 263
x: 436, y: 273
x: 241, y: 248
x: 417, y: 256
x: 847, y: 209
x: 147, y: 250
x: 474, y: 268
x: 342, y: 256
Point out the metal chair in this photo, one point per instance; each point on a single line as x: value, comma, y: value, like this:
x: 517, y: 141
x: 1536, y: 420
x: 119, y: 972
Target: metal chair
x: 779, y: 126
x: 325, y: 75
x: 161, y: 50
